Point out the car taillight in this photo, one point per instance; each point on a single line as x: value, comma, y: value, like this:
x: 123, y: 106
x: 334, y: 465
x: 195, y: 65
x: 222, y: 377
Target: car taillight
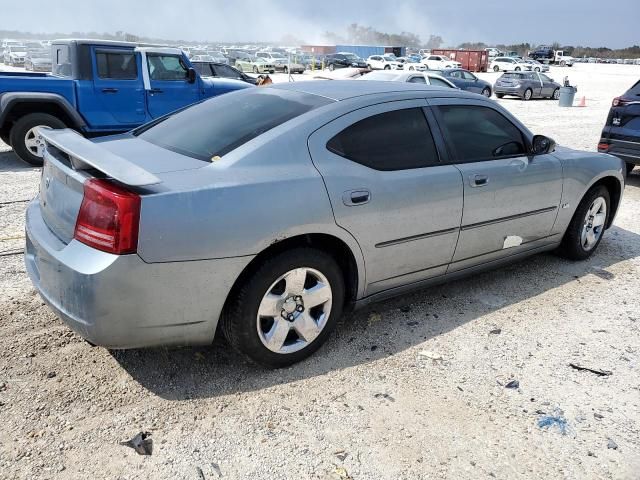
x: 603, y: 146
x: 109, y: 218
x: 616, y: 102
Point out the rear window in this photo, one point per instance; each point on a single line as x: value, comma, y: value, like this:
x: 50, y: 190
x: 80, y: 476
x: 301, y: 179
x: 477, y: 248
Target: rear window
x: 635, y: 90
x: 61, y: 62
x: 517, y: 76
x: 222, y: 124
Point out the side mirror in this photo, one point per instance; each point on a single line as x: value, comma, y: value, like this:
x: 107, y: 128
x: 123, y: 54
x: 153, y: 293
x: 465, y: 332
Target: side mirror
x: 541, y: 145
x: 191, y: 75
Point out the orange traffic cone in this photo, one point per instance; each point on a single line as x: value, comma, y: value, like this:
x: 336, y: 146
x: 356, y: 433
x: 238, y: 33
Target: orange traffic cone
x: 583, y: 102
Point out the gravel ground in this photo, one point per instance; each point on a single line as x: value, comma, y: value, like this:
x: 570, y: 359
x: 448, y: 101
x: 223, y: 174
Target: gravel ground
x: 412, y: 388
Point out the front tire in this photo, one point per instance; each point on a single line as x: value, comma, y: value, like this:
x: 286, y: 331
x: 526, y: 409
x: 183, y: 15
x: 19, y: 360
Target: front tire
x: 332, y: 67
x: 255, y: 70
x: 486, y: 92
x: 587, y: 225
x: 286, y: 309
x: 517, y: 69
x: 630, y: 167
x: 556, y: 94
x: 387, y: 67
x: 496, y: 68
x: 528, y: 93
x: 24, y: 140
x: 500, y: 95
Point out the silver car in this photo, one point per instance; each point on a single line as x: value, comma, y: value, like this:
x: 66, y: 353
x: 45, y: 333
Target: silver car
x: 264, y: 213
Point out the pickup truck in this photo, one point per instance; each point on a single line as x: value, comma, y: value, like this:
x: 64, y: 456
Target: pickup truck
x: 545, y: 54
x: 99, y: 87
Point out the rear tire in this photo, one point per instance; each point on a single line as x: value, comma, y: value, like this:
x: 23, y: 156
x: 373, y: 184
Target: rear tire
x: 517, y: 69
x: 255, y: 70
x: 22, y: 128
x: 496, y: 68
x: 332, y: 67
x: 572, y: 246
x: 500, y: 95
x: 387, y: 67
x: 247, y: 332
x: 486, y: 92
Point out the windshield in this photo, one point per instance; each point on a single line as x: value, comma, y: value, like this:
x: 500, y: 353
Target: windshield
x: 217, y: 126
x: 390, y: 58
x: 380, y: 75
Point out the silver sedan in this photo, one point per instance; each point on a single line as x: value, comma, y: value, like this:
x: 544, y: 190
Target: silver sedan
x: 266, y: 212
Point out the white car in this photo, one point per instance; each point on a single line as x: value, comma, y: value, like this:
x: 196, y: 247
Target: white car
x: 440, y: 62
x: 14, y: 55
x: 509, y: 64
x: 410, y: 65
x: 410, y: 77
x: 384, y: 62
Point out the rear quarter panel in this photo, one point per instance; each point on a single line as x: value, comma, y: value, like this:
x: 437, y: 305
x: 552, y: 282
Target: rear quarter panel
x: 38, y: 84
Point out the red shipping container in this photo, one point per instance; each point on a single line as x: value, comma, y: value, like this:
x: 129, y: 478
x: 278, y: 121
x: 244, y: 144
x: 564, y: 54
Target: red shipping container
x: 472, y: 60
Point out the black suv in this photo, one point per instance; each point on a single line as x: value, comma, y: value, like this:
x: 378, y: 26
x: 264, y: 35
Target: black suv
x: 343, y: 60
x: 543, y: 52
x: 621, y: 133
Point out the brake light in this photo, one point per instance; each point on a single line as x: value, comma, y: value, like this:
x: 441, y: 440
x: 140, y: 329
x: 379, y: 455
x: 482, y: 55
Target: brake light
x: 616, y: 102
x: 109, y: 217
x: 603, y: 146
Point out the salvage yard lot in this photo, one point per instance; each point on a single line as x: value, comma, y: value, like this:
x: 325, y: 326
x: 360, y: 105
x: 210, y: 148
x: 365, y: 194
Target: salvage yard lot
x: 407, y: 389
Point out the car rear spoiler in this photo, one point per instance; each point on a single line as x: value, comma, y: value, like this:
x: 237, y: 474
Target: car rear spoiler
x: 85, y: 155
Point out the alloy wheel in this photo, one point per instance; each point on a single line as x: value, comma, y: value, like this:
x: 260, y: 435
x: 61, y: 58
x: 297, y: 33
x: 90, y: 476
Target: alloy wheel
x: 34, y: 142
x: 294, y: 310
x: 593, y: 225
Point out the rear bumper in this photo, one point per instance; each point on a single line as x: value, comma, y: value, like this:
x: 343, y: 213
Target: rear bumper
x: 623, y: 149
x: 517, y: 91
x: 121, y: 301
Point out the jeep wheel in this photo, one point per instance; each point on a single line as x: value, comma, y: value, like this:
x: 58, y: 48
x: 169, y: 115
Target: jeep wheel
x: 24, y: 138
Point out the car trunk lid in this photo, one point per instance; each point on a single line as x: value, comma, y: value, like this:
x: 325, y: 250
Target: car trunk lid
x: 70, y: 160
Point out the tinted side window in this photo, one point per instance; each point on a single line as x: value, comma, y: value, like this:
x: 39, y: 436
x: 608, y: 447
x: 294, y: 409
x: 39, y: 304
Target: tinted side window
x: 396, y: 140
x: 635, y: 90
x: 480, y: 133
x: 118, y: 66
x: 417, y: 80
x: 166, y: 67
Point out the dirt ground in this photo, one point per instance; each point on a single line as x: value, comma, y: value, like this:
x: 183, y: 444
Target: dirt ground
x: 412, y: 388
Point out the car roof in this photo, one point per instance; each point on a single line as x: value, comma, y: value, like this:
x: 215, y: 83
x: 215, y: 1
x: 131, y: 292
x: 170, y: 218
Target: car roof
x: 346, y: 89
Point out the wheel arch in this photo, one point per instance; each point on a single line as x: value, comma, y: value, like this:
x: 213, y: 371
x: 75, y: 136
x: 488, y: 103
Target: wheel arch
x: 612, y: 184
x: 352, y: 268
x: 18, y: 104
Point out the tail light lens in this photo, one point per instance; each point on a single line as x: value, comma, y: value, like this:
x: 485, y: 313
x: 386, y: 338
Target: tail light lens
x: 616, y: 102
x: 620, y: 102
x: 603, y: 146
x: 109, y: 218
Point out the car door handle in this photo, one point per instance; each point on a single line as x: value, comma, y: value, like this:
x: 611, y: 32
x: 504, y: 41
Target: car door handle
x: 109, y: 90
x: 356, y: 197
x: 479, y: 180
x: 155, y: 90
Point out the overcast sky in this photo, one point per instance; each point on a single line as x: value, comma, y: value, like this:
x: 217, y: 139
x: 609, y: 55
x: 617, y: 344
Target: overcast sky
x: 574, y: 22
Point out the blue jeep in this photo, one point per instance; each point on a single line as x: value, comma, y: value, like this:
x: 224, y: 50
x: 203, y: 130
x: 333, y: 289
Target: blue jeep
x: 99, y: 87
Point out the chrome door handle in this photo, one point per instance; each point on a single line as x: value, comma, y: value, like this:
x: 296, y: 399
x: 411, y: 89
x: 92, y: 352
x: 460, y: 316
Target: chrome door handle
x: 479, y: 180
x: 356, y: 197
